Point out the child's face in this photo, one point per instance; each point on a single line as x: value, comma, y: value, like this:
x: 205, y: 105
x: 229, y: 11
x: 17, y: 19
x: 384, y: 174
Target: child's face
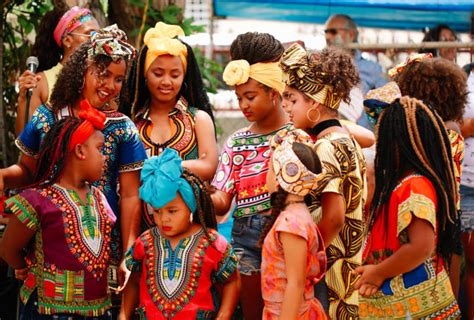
x: 255, y: 102
x: 165, y: 77
x: 93, y: 156
x: 297, y: 108
x: 272, y: 183
x: 173, y: 219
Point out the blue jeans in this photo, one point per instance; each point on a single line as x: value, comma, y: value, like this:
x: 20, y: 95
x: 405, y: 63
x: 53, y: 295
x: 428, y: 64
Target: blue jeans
x: 467, y: 207
x: 245, y: 236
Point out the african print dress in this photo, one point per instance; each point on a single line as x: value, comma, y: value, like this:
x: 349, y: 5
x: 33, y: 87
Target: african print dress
x: 183, y: 139
x: 68, y: 259
x: 274, y: 278
x: 344, y: 163
x: 123, y: 152
x: 424, y: 292
x: 176, y: 283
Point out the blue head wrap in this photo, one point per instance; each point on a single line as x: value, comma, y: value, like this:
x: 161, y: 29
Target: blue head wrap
x: 161, y: 178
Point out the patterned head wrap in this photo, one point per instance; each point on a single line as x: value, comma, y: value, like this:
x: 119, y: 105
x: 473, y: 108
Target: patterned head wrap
x: 93, y: 120
x: 295, y: 63
x: 111, y: 42
x: 291, y: 173
x: 239, y: 71
x: 414, y: 58
x: 160, y: 40
x: 378, y: 99
x: 161, y: 179
x: 69, y: 22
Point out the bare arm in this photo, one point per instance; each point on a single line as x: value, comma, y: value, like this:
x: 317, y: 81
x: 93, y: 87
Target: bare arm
x: 18, y: 175
x: 15, y: 239
x: 39, y: 96
x: 295, y: 251
x: 364, y: 137
x: 222, y: 201
x: 130, y: 209
x: 409, y: 256
x: 205, y: 167
x: 333, y: 216
x: 230, y: 297
x: 467, y: 127
x: 130, y: 297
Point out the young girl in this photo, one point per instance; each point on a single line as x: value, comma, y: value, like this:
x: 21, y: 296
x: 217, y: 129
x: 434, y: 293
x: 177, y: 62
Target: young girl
x: 243, y: 166
x: 170, y: 106
x: 316, y: 84
x: 180, y: 259
x: 413, y: 218
x: 63, y: 223
x: 293, y: 255
x: 96, y: 72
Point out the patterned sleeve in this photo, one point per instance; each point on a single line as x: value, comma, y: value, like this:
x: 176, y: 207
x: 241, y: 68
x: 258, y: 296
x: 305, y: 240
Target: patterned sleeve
x: 227, y: 264
x: 135, y: 256
x: 30, y: 138
x: 131, y: 151
x: 332, y: 180
x: 23, y: 210
x: 224, y: 179
x: 291, y: 223
x: 419, y: 200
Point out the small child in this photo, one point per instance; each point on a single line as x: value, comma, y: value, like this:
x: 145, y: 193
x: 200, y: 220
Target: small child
x: 176, y: 263
x: 293, y: 255
x: 64, y: 223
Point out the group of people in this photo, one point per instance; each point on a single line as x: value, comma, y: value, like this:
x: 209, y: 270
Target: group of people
x: 119, y: 185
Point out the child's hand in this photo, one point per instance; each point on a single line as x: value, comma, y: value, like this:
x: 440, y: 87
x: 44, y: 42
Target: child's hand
x: 367, y: 290
x: 123, y: 276
x: 369, y: 274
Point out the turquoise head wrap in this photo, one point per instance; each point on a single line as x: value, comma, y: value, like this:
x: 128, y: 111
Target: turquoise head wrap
x: 161, y: 178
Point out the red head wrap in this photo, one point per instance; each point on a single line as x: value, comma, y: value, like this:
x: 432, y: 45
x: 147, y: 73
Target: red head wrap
x: 93, y: 120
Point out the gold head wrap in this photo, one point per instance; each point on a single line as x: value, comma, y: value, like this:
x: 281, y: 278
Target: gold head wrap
x: 160, y: 40
x: 414, y: 58
x: 296, y: 67
x: 291, y: 173
x: 239, y: 71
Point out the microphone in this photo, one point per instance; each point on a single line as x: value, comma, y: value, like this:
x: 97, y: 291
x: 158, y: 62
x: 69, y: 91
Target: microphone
x: 31, y: 64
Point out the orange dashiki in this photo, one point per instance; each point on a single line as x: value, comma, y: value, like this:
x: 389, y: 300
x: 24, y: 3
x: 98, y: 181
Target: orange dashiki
x: 274, y: 279
x: 424, y: 292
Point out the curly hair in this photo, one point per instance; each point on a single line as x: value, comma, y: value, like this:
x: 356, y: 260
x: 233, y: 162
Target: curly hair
x: 440, y: 83
x: 192, y: 88
x: 256, y: 47
x: 432, y: 35
x: 70, y: 82
x: 45, y: 47
x: 337, y: 69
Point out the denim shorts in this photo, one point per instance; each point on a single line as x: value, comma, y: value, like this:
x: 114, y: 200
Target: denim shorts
x: 245, y: 236
x: 467, y: 208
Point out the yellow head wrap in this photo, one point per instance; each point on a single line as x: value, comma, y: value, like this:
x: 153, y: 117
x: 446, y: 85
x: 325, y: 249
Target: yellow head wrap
x: 239, y: 71
x: 160, y: 40
x: 296, y: 67
x: 414, y: 58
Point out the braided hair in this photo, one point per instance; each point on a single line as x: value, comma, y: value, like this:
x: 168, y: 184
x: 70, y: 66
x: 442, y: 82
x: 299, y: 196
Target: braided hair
x: 412, y: 137
x: 192, y: 88
x: 205, y: 209
x: 53, y: 151
x: 256, y: 47
x: 310, y: 160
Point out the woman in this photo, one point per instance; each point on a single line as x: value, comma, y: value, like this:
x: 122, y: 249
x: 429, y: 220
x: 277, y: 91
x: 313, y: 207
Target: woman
x: 316, y: 85
x: 170, y: 106
x: 95, y: 73
x: 441, y: 32
x: 59, y: 34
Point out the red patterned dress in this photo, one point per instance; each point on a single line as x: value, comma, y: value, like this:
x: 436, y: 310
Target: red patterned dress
x: 69, y: 256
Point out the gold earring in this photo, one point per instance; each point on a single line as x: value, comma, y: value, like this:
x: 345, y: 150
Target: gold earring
x: 309, y: 118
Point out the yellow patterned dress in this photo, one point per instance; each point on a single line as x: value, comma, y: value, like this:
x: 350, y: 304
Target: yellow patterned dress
x: 344, y: 163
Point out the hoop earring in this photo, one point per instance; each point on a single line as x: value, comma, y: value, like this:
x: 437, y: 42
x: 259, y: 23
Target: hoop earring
x: 309, y: 118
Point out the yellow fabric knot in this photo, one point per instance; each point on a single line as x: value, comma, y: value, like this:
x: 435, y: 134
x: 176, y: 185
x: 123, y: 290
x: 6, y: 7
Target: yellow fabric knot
x: 236, y: 72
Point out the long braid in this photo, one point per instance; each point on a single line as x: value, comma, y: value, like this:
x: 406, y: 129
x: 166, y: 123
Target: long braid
x: 278, y: 200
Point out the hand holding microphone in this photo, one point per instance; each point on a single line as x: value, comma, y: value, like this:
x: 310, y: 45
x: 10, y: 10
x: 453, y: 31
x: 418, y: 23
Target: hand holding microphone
x: 29, y: 80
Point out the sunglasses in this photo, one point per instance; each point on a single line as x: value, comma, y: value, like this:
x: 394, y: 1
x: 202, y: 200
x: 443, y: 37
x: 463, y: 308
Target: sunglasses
x: 333, y: 31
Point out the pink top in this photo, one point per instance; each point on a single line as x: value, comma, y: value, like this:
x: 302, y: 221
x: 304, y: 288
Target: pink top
x: 274, y: 280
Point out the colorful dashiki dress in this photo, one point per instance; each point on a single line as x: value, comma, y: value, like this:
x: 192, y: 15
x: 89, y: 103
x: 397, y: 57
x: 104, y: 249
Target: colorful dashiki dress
x: 176, y: 284
x: 274, y: 279
x: 424, y: 292
x: 70, y: 251
x: 123, y: 152
x: 344, y: 163
x: 183, y: 139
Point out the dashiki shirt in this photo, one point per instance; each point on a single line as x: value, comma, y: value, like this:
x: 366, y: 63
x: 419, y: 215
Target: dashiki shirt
x: 424, y: 292
x: 183, y: 139
x: 274, y: 279
x: 68, y: 259
x: 123, y: 152
x: 242, y: 171
x: 176, y: 283
x: 457, y: 152
x: 344, y: 163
